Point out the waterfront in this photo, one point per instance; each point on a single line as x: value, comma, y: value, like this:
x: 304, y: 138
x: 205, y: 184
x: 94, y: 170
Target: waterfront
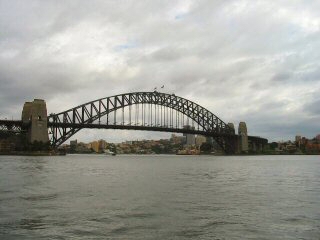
x: 159, y: 197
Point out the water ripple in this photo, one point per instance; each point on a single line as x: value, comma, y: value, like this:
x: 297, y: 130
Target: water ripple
x: 40, y: 197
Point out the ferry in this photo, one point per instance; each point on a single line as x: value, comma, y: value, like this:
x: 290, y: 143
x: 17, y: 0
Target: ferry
x: 108, y: 152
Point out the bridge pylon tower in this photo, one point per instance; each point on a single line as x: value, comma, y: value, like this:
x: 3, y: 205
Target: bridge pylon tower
x: 243, y: 137
x: 34, y: 116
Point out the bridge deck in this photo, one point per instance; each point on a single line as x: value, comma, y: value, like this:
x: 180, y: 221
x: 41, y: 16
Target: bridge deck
x: 9, y: 124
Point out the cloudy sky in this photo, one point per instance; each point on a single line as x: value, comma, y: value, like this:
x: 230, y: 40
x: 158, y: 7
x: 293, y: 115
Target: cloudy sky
x: 253, y: 61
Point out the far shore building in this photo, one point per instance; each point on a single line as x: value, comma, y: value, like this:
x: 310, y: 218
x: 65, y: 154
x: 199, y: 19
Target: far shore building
x: 190, y: 138
x: 95, y: 146
x: 200, y: 140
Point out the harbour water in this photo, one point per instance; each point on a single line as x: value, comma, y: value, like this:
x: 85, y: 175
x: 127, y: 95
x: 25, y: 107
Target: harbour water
x: 159, y: 197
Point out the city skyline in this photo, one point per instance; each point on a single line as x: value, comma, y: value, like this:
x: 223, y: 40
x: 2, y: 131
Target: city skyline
x: 244, y: 61
x: 169, y: 135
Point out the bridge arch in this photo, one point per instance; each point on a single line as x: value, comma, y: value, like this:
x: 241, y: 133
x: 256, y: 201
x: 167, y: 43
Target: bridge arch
x: 65, y: 124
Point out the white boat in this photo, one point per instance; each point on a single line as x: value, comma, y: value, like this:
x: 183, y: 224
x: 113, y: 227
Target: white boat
x: 108, y: 152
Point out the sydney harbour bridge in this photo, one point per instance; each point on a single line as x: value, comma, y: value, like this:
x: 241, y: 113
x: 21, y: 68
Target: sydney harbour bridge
x: 150, y: 111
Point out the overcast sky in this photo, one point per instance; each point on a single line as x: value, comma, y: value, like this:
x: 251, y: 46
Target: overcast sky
x: 253, y: 61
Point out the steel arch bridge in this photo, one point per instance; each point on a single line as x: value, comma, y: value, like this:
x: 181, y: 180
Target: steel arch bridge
x: 153, y: 111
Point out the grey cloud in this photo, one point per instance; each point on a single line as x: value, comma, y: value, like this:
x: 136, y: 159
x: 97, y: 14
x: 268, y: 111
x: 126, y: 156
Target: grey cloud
x: 313, y: 108
x: 168, y: 54
x: 237, y: 58
x: 282, y: 76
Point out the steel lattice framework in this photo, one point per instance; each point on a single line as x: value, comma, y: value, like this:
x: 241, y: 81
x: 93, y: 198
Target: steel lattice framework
x: 163, y: 109
x: 14, y: 126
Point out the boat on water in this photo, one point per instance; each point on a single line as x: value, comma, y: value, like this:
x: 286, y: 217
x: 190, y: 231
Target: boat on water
x: 108, y: 152
x: 188, y: 152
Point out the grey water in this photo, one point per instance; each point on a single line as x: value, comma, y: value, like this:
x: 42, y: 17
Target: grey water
x: 160, y: 197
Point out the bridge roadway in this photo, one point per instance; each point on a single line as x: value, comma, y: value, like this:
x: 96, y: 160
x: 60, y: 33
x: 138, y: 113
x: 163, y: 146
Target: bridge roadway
x: 148, y: 128
x: 19, y: 126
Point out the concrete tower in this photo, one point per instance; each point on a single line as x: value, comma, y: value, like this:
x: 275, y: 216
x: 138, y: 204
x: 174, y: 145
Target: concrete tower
x: 243, y: 135
x: 35, y: 114
x: 231, y: 125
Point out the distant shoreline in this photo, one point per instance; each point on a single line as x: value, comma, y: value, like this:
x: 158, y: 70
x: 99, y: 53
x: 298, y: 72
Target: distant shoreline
x: 53, y: 153
x: 31, y: 153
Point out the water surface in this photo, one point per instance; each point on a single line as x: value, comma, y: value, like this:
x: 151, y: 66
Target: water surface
x: 160, y: 197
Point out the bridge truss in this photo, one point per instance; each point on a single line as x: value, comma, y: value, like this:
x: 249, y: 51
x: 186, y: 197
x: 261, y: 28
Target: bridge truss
x: 13, y: 126
x: 153, y: 111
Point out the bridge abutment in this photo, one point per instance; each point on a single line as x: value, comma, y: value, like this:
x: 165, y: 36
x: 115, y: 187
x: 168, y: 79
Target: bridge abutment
x: 34, y: 114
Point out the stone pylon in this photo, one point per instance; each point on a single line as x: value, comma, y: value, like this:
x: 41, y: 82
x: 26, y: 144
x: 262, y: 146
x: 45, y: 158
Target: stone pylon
x: 243, y: 137
x: 231, y: 125
x: 34, y: 114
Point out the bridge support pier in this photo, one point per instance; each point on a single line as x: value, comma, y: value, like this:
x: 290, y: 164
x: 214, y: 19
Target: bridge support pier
x: 253, y: 146
x: 243, y: 135
x: 34, y: 114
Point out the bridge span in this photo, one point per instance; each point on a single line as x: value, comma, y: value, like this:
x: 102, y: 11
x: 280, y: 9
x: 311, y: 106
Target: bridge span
x: 150, y: 111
